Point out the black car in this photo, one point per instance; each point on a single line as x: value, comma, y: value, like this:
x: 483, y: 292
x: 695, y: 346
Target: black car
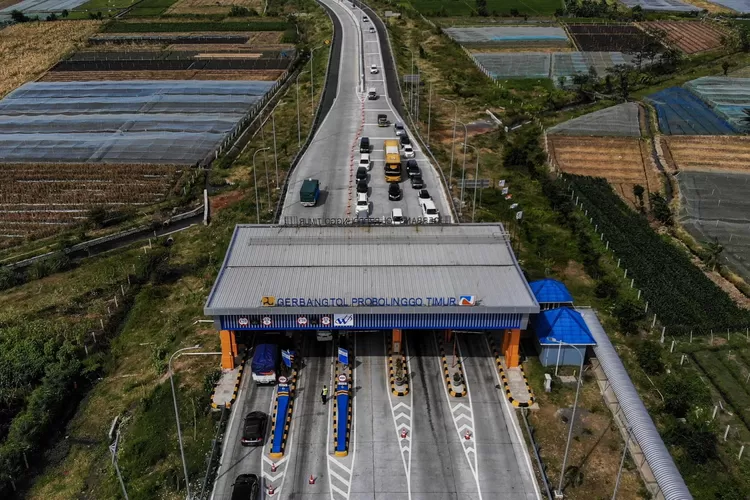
x: 362, y: 187
x: 364, y: 145
x: 405, y: 139
x: 412, y: 168
x: 424, y: 195
x: 254, y: 430
x: 394, y: 192
x: 361, y: 174
x: 417, y: 182
x: 245, y: 487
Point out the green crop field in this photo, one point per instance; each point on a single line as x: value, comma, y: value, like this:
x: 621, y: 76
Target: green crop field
x: 196, y: 26
x: 494, y: 7
x: 150, y: 8
x: 723, y: 373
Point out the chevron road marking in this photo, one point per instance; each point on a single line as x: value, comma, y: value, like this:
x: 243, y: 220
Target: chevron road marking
x: 401, y: 413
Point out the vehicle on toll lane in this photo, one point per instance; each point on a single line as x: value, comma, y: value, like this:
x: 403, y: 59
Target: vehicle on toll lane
x: 392, y: 161
x: 364, y: 145
x: 362, y: 187
x: 245, y: 487
x: 398, y: 127
x: 394, y: 192
x: 424, y: 195
x: 374, y: 69
x: 361, y: 174
x: 309, y: 192
x: 365, y: 161
x: 372, y: 93
x: 397, y: 216
x: 383, y: 120
x: 254, y: 429
x: 265, y: 363
x: 363, y: 204
x: 412, y: 168
x: 429, y: 211
x: 372, y: 29
x: 407, y: 151
x: 417, y: 182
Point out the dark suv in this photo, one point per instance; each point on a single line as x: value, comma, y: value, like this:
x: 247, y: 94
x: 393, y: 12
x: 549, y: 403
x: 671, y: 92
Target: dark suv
x: 245, y: 487
x: 254, y: 430
x: 361, y: 174
x: 405, y: 139
x: 362, y: 187
x: 394, y: 192
x: 417, y: 182
x: 364, y: 145
x: 412, y: 168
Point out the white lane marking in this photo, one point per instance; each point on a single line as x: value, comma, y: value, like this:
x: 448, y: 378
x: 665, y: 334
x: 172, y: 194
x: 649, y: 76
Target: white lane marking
x: 458, y: 411
x: 406, y: 411
x: 339, y: 477
x: 347, y: 469
x: 516, y: 425
x: 339, y: 491
x: 332, y: 459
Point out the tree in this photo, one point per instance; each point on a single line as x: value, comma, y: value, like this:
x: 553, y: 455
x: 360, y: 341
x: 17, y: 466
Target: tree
x: 97, y: 216
x: 637, y: 13
x: 64, y: 13
x: 649, y: 357
x: 52, y: 17
x: 638, y: 191
x: 682, y: 393
x: 697, y: 436
x: 628, y: 313
x: 712, y: 249
x: 18, y: 16
x: 660, y: 209
x: 725, y: 67
x: 607, y: 288
x: 482, y: 8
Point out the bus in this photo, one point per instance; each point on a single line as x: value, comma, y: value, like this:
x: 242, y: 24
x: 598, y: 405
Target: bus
x: 392, y: 161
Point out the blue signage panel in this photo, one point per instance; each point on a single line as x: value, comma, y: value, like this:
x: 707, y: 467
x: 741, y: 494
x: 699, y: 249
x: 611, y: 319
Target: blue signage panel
x: 343, y: 356
x: 286, y: 356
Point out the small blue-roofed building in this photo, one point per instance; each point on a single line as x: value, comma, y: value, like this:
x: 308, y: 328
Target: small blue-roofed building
x: 551, y: 294
x: 566, y: 325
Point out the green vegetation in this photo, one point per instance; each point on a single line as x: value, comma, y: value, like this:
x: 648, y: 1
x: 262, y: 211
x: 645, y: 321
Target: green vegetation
x: 150, y: 8
x: 159, y: 27
x: 518, y: 8
x: 733, y: 390
x: 682, y: 297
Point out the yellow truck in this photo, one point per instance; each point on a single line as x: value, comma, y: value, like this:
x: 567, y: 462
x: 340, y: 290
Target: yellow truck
x: 392, y: 161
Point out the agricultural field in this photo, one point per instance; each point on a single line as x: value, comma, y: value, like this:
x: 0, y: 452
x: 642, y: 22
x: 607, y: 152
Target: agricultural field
x: 522, y: 37
x: 662, y: 5
x: 41, y: 199
x: 680, y: 112
x: 609, y: 37
x: 691, y: 37
x: 741, y: 6
x: 622, y: 120
x: 258, y: 75
x: 197, y: 26
x: 212, y: 6
x: 622, y: 161
x: 27, y: 50
x: 678, y: 292
x: 106, y: 7
x: 714, y: 179
x: 40, y: 7
x: 175, y: 122
x: 150, y: 8
x: 494, y: 7
x: 729, y: 97
x: 728, y: 371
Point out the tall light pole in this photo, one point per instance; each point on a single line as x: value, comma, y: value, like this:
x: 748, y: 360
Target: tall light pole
x: 255, y: 181
x: 476, y: 180
x: 265, y: 162
x: 429, y: 114
x: 453, y: 143
x: 275, y: 156
x: 573, y: 417
x: 312, y: 81
x: 177, y: 418
x: 299, y: 129
x: 463, y: 172
x: 177, y: 354
x: 622, y: 462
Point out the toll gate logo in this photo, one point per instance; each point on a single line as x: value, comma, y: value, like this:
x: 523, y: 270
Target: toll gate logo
x: 467, y: 300
x: 343, y: 319
x: 269, y: 301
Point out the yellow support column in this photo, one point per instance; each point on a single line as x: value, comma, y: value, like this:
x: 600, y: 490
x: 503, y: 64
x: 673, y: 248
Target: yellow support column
x: 233, y: 340
x: 227, y: 356
x: 396, y: 342
x: 511, y: 351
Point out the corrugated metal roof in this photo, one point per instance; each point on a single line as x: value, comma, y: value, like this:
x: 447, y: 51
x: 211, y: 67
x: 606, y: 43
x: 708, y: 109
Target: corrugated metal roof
x: 549, y: 291
x: 386, y: 261
x: 562, y: 324
x: 644, y: 431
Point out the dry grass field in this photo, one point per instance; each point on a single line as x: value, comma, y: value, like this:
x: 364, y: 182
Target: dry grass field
x: 623, y: 161
x: 690, y: 37
x: 212, y: 6
x: 267, y: 75
x: 29, y: 49
x: 725, y: 153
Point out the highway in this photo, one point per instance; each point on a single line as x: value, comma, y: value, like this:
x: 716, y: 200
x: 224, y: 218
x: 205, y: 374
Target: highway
x: 333, y: 155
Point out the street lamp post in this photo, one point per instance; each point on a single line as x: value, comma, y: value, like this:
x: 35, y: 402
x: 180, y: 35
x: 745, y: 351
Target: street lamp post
x: 177, y: 354
x: 265, y: 162
x: 299, y: 129
x: 453, y: 143
x: 255, y: 181
x: 476, y: 180
x: 463, y: 172
x: 429, y: 114
x: 573, y: 416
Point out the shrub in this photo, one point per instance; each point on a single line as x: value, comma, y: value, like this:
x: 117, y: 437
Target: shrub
x: 628, y: 313
x: 649, y: 357
x: 607, y: 288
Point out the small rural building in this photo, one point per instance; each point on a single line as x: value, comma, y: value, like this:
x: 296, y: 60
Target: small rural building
x: 551, y: 294
x: 566, y: 325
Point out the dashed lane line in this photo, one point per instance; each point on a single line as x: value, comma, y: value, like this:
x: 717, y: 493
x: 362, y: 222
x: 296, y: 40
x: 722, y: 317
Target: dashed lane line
x: 462, y: 412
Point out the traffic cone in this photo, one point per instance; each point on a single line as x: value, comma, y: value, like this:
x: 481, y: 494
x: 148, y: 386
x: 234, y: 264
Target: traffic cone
x: 403, y: 433
x: 271, y: 490
x: 274, y: 467
x: 467, y: 436
x: 311, y: 480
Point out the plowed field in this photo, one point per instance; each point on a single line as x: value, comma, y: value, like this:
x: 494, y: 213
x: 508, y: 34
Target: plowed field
x: 623, y: 161
x: 211, y: 6
x: 94, y: 76
x: 690, y: 37
x: 707, y: 153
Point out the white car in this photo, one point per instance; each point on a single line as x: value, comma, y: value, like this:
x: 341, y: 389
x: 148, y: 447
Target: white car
x: 397, y: 217
x: 398, y: 127
x: 374, y: 69
x: 429, y: 210
x: 365, y: 19
x: 364, y: 161
x: 407, y: 151
x: 363, y: 205
x: 372, y: 29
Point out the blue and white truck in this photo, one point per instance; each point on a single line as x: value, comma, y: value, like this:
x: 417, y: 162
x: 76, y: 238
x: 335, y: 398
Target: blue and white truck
x: 265, y: 363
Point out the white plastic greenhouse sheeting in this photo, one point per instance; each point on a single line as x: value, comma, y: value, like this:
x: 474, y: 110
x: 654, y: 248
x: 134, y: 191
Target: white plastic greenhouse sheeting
x: 662, y: 5
x: 43, y: 6
x: 166, y: 121
x: 665, y: 472
x: 499, y: 34
x: 741, y: 6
